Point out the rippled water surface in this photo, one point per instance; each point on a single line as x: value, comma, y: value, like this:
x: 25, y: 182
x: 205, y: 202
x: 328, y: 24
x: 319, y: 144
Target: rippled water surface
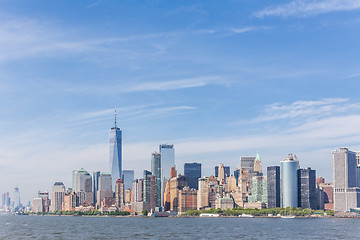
x: 55, y: 227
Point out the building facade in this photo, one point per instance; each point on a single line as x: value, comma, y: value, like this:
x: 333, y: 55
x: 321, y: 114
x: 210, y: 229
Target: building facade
x: 115, y: 153
x: 192, y: 172
x: 156, y: 171
x: 57, y: 196
x: 273, y: 188
x: 346, y: 192
x: 307, y: 188
x: 289, y: 182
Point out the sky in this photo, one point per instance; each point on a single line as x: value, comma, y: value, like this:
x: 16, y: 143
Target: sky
x: 218, y: 79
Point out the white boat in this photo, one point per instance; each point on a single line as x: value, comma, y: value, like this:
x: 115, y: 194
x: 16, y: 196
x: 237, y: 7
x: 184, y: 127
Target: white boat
x: 244, y: 215
x: 209, y: 215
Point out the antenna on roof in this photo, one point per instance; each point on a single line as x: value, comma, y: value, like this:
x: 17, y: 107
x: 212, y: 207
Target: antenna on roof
x: 115, y: 117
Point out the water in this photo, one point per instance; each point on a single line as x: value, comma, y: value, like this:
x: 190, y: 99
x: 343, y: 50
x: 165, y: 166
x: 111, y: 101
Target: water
x: 55, y: 227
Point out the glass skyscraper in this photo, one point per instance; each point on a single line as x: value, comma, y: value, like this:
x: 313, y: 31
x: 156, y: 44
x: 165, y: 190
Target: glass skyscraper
x: 273, y: 181
x: 289, y: 182
x: 192, y: 172
x: 128, y: 177
x: 167, y: 159
x: 115, y: 153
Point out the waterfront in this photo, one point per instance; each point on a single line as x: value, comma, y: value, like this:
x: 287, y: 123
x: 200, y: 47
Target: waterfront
x: 55, y: 227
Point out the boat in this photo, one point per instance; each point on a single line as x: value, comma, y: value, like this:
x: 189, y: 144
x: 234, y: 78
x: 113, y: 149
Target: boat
x: 209, y: 215
x: 244, y: 215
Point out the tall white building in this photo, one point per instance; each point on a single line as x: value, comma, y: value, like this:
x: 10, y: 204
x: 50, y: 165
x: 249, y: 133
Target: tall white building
x: 346, y: 192
x: 57, y: 196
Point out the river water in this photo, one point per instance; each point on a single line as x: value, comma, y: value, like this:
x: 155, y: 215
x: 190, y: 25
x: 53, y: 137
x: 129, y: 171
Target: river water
x: 63, y: 227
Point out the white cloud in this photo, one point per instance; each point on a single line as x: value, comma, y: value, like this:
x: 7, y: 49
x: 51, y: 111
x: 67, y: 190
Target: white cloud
x: 309, y: 7
x: 243, y: 30
x: 306, y: 109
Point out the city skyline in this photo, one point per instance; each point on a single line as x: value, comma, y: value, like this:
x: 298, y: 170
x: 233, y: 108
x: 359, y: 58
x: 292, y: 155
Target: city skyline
x: 218, y: 81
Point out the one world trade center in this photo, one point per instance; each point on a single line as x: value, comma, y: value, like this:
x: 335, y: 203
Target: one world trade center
x: 115, y: 153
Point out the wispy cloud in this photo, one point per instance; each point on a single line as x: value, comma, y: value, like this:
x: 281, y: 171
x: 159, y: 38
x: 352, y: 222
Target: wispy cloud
x: 243, y: 30
x: 308, y: 7
x: 307, y: 109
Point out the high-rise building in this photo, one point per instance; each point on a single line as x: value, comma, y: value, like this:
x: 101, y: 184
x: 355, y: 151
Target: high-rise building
x: 248, y: 163
x: 203, y: 194
x: 257, y: 164
x: 134, y: 191
x: 187, y: 199
x: 156, y: 171
x: 105, y: 188
x: 289, y: 182
x: 231, y: 184
x: 306, y: 188
x: 57, y: 196
x: 17, y: 203
x: 176, y: 184
x: 226, y: 171
x: 346, y: 192
x: 82, y: 181
x: 259, y: 190
x: 149, y: 189
x: 96, y: 176
x: 236, y: 175
x: 192, y: 172
x: 45, y: 201
x: 119, y: 194
x: 128, y: 177
x: 115, y: 153
x: 37, y: 205
x: 273, y: 180
x: 167, y: 152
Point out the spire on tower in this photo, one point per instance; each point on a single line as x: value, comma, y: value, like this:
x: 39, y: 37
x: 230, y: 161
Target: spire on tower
x: 115, y: 117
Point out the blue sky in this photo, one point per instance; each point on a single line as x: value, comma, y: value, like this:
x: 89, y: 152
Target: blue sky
x: 218, y: 79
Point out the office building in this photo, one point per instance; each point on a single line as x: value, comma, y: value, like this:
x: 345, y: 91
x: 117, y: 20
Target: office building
x: 149, y: 190
x: 306, y: 188
x: 37, y: 205
x: 224, y: 203
x: 45, y: 201
x: 346, y: 192
x: 187, y: 199
x: 105, y: 188
x: 167, y: 152
x: 17, y: 203
x: 192, y: 172
x: 273, y: 188
x: 96, y: 176
x: 115, y: 153
x: 226, y: 171
x: 257, y: 164
x: 203, y: 193
x: 119, y: 194
x: 156, y: 171
x: 57, y: 196
x: 176, y: 184
x: 259, y: 190
x: 289, y: 182
x: 128, y: 177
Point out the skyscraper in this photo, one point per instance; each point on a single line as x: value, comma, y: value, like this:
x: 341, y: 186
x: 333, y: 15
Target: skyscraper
x: 346, y: 193
x: 156, y: 171
x: 273, y: 179
x: 119, y: 194
x: 115, y: 153
x: 57, y: 196
x: 226, y: 171
x: 16, y: 199
x: 192, y: 172
x: 128, y: 177
x: 289, y: 182
x: 167, y: 159
x: 105, y: 188
x: 96, y: 176
x: 149, y: 189
x: 306, y: 188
